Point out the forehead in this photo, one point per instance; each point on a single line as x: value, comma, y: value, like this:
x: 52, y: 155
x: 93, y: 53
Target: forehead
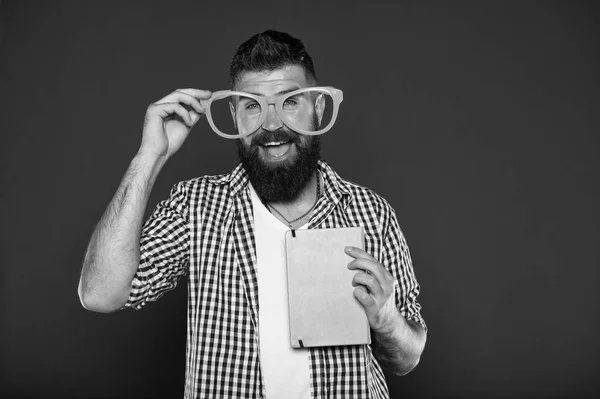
x: 272, y: 82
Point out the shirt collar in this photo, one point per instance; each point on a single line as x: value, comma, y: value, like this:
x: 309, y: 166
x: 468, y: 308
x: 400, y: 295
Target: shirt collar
x: 335, y: 189
x: 237, y: 180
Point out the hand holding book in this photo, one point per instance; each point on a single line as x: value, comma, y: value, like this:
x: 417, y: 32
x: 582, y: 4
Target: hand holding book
x: 374, y: 290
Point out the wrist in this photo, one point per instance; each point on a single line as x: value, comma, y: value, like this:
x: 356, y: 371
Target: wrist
x: 148, y: 162
x: 150, y: 158
x: 391, y: 325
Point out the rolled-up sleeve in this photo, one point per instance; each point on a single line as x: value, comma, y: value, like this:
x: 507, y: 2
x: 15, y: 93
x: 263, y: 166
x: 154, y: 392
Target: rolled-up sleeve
x: 396, y: 258
x: 164, y: 249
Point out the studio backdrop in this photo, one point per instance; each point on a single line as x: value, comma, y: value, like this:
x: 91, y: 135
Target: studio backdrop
x: 477, y: 121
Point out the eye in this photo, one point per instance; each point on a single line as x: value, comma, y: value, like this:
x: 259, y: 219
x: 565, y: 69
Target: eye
x: 296, y: 101
x: 252, y: 106
x: 291, y: 103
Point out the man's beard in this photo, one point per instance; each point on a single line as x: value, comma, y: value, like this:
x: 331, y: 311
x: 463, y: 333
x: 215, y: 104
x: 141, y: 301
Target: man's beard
x: 282, y: 182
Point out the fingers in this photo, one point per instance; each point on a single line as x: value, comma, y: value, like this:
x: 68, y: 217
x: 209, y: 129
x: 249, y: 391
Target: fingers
x: 374, y: 287
x: 366, y: 262
x: 195, y: 93
x: 369, y: 282
x: 184, y: 103
x: 375, y: 279
x: 358, y: 253
x: 189, y: 97
x: 166, y: 110
x: 366, y: 300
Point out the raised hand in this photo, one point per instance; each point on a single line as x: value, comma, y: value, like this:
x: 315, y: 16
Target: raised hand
x: 169, y: 120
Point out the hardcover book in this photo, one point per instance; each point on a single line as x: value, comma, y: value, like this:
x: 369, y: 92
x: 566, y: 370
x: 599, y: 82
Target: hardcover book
x: 323, y: 309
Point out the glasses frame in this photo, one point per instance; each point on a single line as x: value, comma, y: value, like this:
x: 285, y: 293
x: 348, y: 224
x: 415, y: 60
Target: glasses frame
x: 336, y: 94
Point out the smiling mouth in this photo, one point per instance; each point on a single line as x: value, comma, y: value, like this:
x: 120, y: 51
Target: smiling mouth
x: 276, y: 149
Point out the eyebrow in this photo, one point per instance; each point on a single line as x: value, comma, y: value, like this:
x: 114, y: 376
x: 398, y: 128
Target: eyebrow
x: 278, y: 93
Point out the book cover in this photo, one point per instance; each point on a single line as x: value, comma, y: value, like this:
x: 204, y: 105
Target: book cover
x: 323, y: 309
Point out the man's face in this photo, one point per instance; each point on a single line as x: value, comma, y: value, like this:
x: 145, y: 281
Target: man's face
x: 280, y: 162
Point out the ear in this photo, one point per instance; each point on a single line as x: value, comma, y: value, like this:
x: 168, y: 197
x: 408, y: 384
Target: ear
x: 320, y: 107
x: 232, y: 111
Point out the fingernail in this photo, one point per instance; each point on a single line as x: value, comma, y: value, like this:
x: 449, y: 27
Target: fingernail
x: 348, y: 249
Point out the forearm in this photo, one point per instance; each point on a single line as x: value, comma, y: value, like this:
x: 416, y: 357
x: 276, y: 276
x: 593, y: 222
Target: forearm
x: 399, y: 349
x: 113, y: 254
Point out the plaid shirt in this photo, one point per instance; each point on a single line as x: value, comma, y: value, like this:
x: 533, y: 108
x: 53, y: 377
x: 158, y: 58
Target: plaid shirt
x: 205, y: 229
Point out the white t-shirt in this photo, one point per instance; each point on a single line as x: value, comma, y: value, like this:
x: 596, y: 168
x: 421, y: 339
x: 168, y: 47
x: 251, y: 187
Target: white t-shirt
x: 285, y: 370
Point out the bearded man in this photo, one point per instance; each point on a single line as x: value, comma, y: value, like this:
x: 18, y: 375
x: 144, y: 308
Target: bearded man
x: 227, y: 233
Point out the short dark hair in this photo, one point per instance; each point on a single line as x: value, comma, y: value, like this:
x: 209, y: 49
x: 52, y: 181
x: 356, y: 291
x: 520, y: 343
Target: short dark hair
x: 268, y: 51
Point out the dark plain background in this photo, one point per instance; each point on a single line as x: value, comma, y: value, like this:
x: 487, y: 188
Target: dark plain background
x: 478, y: 122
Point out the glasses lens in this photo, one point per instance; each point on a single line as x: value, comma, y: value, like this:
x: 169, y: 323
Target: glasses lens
x: 235, y: 114
x: 310, y: 110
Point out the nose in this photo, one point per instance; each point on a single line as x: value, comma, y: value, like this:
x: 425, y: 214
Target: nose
x: 273, y: 121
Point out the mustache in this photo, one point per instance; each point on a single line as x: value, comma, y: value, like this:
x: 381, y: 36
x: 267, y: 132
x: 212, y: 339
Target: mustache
x: 262, y: 136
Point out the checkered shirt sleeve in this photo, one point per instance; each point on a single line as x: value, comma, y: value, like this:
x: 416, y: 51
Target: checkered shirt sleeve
x: 396, y: 257
x: 164, y: 250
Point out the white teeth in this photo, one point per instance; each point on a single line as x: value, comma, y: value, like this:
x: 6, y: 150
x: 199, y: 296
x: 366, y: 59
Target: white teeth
x: 273, y: 143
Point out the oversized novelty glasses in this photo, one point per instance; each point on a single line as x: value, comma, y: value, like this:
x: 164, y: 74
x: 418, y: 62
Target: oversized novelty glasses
x: 310, y: 111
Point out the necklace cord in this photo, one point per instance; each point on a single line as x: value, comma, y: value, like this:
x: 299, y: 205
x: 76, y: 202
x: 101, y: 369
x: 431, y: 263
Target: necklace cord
x: 289, y: 222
